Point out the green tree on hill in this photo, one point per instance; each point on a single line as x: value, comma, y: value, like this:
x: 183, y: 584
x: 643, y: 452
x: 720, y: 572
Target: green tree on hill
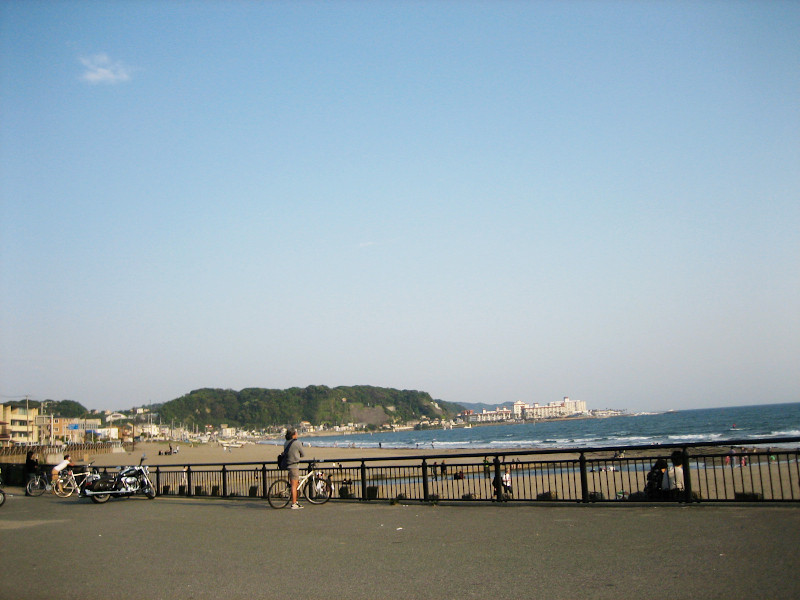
x: 317, y: 404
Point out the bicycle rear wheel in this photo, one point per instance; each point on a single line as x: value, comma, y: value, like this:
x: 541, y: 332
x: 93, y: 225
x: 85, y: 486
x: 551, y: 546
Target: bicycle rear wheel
x: 279, y: 494
x: 317, y: 490
x: 36, y: 487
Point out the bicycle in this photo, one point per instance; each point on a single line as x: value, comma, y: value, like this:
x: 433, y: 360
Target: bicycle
x: 314, y: 485
x: 71, y: 482
x: 38, y: 484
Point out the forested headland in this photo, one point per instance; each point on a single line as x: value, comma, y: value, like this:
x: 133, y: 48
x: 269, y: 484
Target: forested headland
x: 317, y: 404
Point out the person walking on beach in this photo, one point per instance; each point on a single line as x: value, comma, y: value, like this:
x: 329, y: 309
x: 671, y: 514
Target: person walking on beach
x: 507, y: 482
x: 486, y: 467
x: 293, y: 452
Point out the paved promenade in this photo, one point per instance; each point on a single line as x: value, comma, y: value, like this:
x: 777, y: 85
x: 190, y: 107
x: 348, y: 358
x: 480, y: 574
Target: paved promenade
x: 210, y: 548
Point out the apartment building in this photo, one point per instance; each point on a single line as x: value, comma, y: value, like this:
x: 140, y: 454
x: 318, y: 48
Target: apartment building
x: 17, y: 425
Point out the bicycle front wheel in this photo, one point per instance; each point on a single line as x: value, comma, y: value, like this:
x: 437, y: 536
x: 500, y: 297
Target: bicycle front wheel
x: 279, y: 494
x: 317, y: 490
x: 36, y: 487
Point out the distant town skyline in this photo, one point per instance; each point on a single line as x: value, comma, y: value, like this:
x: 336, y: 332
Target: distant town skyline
x: 489, y: 202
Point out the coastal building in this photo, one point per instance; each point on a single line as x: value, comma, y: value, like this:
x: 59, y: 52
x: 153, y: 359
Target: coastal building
x: 17, y: 425
x: 554, y: 410
x: 53, y: 428
x: 523, y: 411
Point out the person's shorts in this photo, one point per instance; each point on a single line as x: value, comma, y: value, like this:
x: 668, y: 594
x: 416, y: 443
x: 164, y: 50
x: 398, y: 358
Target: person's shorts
x: 294, y: 473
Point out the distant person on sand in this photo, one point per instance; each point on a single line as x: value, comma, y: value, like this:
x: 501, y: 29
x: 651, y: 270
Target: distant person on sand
x: 486, y: 467
x: 294, y: 452
x: 507, y: 482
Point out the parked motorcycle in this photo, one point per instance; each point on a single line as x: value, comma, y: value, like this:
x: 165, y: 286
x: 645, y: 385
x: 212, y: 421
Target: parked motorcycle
x: 127, y: 482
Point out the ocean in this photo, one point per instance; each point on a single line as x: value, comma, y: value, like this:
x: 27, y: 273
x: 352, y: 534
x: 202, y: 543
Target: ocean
x: 684, y: 426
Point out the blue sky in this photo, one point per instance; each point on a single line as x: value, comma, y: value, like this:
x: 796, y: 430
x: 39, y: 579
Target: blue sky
x: 487, y: 201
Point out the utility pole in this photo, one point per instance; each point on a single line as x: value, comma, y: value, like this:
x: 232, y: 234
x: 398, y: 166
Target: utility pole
x: 27, y: 421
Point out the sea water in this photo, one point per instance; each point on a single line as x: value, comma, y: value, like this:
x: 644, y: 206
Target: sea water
x: 685, y: 426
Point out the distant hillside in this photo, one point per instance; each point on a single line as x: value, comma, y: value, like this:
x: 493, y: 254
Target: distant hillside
x: 260, y: 408
x: 61, y: 408
x: 480, y: 406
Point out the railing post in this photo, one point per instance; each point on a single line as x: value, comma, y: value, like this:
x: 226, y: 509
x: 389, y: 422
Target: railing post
x: 188, y: 480
x: 363, y: 481
x: 584, y: 479
x: 497, y: 482
x: 224, y: 482
x: 425, y: 495
x: 264, y: 481
x: 158, y: 481
x: 687, y: 476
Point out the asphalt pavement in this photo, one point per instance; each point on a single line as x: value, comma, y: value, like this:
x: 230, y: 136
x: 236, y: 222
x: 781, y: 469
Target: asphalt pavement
x: 198, y: 548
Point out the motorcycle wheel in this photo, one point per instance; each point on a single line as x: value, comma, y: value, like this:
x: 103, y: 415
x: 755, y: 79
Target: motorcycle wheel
x: 100, y: 498
x: 2, y: 497
x: 150, y: 492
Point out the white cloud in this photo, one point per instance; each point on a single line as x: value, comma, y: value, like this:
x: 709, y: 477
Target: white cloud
x: 101, y: 69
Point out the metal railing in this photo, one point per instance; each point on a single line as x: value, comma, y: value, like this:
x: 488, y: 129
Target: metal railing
x: 763, y: 470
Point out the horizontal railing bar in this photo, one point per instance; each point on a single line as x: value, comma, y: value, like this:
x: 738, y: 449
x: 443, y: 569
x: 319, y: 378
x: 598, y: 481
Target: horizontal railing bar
x: 519, y: 452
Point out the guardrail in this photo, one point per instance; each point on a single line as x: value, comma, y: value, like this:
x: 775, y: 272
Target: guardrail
x: 759, y: 470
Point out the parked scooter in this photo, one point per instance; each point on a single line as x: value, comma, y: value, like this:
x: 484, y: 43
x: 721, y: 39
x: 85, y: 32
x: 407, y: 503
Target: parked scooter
x: 127, y: 482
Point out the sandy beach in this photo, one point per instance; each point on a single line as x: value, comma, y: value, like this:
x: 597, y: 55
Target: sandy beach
x: 213, y: 453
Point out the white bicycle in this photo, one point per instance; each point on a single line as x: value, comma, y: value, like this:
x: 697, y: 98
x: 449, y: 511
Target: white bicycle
x: 314, y: 485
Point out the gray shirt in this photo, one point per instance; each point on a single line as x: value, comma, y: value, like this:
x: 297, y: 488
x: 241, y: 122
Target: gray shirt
x: 293, y: 453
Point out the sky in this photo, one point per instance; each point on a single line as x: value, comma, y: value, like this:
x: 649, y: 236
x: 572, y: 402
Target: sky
x: 486, y: 201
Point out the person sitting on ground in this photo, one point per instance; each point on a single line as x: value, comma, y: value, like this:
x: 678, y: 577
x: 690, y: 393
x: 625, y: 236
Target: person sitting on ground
x: 673, y: 483
x: 653, y: 489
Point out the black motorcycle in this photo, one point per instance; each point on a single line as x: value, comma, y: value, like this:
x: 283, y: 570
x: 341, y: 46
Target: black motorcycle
x: 127, y: 482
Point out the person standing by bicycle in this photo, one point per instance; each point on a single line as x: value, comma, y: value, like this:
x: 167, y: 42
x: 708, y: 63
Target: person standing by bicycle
x: 293, y: 449
x: 67, y: 462
x: 31, y: 464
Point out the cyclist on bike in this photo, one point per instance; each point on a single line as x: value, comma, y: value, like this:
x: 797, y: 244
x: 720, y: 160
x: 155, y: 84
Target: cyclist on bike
x: 67, y: 462
x: 294, y: 452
